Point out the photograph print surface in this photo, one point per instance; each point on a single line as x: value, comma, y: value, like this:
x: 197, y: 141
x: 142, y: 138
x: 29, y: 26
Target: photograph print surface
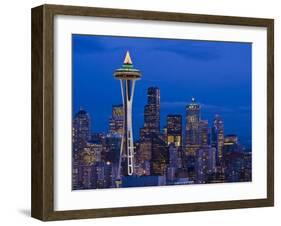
x: 156, y: 112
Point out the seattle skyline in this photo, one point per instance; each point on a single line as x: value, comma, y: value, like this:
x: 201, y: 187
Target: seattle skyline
x: 197, y: 68
x: 197, y: 152
x: 160, y: 158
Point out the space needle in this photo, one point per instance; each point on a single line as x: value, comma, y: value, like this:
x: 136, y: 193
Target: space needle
x: 127, y: 75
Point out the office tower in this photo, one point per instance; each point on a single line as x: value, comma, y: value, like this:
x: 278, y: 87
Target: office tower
x: 116, y: 121
x: 234, y: 166
x: 150, y: 137
x: 231, y: 139
x: 230, y: 144
x: 85, y: 169
x: 97, y: 150
x: 247, y: 169
x: 108, y: 174
x: 80, y: 136
x: 192, y: 123
x: 174, y: 163
x: 205, y: 164
x: 204, y: 133
x: 128, y: 75
x: 236, y: 162
x: 218, y: 137
x: 212, y: 160
x: 98, y: 138
x: 171, y: 174
x: 173, y: 155
x: 112, y: 146
x: 143, y: 159
x: 145, y: 150
x: 81, y: 132
x: 174, y: 130
x: 192, y: 138
x: 192, y: 134
x: 152, y: 113
x: 100, y: 175
x: 146, y: 168
x: 159, y: 155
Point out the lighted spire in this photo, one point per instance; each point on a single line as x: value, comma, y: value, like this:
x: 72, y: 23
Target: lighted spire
x: 128, y: 59
x: 193, y: 99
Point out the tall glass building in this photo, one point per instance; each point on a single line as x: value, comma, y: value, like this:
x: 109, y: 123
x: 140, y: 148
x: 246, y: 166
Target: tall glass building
x: 81, y: 131
x: 116, y: 122
x: 152, y: 112
x: 218, y: 137
x: 192, y: 124
x: 174, y: 130
x: 81, y: 134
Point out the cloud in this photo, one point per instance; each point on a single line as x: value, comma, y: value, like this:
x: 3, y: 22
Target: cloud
x: 199, y: 50
x: 173, y: 104
x: 192, y: 50
x: 217, y: 108
x: 207, y: 108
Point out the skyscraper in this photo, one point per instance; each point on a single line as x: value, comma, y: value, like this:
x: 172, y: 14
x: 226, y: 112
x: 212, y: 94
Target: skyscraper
x: 192, y: 126
x: 152, y: 112
x: 116, y: 121
x: 86, y: 160
x: 81, y: 134
x: 174, y: 130
x: 159, y: 155
x: 128, y: 75
x: 231, y: 139
x: 81, y: 129
x: 192, y: 135
x: 233, y: 160
x: 145, y: 150
x: 218, y: 137
x: 204, y: 132
x: 144, y: 153
x: 205, y: 164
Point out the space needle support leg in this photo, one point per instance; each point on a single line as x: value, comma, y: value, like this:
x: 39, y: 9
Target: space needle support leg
x: 130, y: 143
x: 123, y: 135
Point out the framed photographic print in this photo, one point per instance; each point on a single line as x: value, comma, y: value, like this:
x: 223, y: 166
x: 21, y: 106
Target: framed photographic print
x: 141, y: 112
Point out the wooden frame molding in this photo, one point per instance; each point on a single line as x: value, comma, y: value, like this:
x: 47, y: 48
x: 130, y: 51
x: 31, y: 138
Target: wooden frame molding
x: 43, y: 107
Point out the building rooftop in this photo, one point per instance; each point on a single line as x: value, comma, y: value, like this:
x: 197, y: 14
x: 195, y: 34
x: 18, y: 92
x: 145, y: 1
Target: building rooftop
x: 193, y: 104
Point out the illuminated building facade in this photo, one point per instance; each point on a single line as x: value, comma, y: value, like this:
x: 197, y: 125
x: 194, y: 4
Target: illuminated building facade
x: 116, y: 121
x: 174, y: 130
x: 111, y: 152
x: 230, y: 144
x: 204, y: 132
x: 159, y: 158
x: 145, y: 150
x: 205, y: 164
x: 159, y: 155
x: 237, y: 163
x: 81, y: 134
x: 174, y: 162
x: 192, y: 131
x: 143, y: 157
x: 152, y: 113
x: 218, y: 137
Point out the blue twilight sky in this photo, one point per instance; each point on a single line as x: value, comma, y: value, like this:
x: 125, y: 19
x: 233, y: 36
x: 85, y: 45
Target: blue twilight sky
x: 217, y: 74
